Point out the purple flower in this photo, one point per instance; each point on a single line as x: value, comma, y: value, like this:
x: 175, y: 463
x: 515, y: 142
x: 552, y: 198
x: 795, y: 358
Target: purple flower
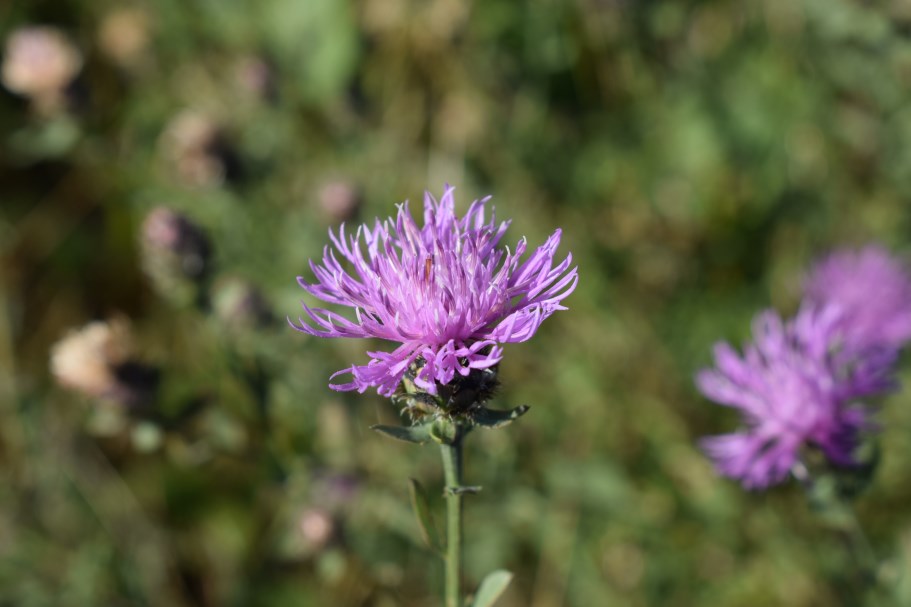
x: 873, y: 290
x: 445, y: 292
x: 793, y: 390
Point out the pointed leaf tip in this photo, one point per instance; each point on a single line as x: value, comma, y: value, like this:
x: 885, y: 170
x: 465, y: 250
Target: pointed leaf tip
x: 421, y: 505
x: 493, y: 418
x: 410, y: 434
x: 462, y: 490
x: 491, y: 588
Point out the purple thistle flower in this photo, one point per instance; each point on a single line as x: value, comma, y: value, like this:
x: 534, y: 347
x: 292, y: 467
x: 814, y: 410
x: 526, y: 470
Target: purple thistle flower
x: 445, y: 292
x: 793, y: 389
x: 873, y: 290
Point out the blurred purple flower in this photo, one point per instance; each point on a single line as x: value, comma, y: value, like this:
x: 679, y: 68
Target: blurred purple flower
x: 445, y: 292
x: 793, y: 389
x: 873, y: 290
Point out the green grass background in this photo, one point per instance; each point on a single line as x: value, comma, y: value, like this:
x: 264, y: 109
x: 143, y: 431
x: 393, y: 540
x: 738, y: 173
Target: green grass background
x: 697, y: 155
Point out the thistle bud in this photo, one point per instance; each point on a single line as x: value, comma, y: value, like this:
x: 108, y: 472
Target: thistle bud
x: 335, y: 491
x: 194, y: 146
x: 39, y: 63
x: 98, y: 361
x: 176, y: 253
x: 240, y: 305
x: 340, y: 201
x: 317, y: 528
x: 124, y: 35
x: 255, y: 77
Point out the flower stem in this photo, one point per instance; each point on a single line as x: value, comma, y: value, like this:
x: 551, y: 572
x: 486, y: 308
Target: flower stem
x: 838, y: 512
x: 452, y: 470
x: 859, y: 547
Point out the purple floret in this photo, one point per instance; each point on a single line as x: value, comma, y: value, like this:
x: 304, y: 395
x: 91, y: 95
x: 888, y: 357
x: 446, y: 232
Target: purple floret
x: 445, y: 292
x: 794, y: 388
x: 873, y: 290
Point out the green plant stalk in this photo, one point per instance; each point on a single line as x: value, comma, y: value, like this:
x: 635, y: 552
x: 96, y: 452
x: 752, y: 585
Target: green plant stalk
x: 847, y: 526
x: 859, y: 547
x: 452, y: 470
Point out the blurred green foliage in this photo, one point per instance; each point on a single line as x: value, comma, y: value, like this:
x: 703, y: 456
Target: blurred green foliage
x: 697, y: 155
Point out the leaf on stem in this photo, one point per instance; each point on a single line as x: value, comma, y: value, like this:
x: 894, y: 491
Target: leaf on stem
x: 491, y: 588
x: 421, y: 505
x: 411, y: 434
x: 492, y: 418
x: 462, y: 490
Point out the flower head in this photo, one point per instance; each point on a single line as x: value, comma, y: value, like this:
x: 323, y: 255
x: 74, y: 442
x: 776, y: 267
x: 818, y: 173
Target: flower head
x: 84, y: 359
x: 98, y: 360
x: 124, y: 35
x: 793, y: 390
x: 195, y: 147
x: 39, y: 62
x: 240, y: 305
x: 339, y: 200
x: 445, y: 292
x: 873, y: 290
x: 176, y: 253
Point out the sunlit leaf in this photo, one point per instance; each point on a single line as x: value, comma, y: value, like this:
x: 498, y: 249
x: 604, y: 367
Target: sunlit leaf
x: 411, y: 434
x: 491, y: 588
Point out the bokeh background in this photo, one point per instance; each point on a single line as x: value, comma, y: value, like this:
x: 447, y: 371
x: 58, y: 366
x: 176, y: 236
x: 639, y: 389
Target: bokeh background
x: 697, y: 154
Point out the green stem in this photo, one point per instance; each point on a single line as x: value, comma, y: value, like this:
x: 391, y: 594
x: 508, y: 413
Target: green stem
x: 843, y: 519
x: 452, y: 470
x: 859, y: 547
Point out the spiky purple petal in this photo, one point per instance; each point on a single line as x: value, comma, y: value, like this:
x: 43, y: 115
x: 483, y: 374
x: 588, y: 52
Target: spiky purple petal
x: 445, y: 291
x: 794, y: 387
x: 872, y: 288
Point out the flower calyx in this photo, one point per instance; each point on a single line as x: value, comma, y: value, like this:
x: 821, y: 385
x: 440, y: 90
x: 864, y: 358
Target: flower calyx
x: 454, y: 409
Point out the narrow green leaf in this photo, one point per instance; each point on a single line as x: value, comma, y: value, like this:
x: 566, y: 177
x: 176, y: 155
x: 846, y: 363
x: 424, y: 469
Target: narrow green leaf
x: 411, y: 434
x: 492, y: 418
x: 421, y: 506
x: 463, y: 490
x: 491, y: 588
